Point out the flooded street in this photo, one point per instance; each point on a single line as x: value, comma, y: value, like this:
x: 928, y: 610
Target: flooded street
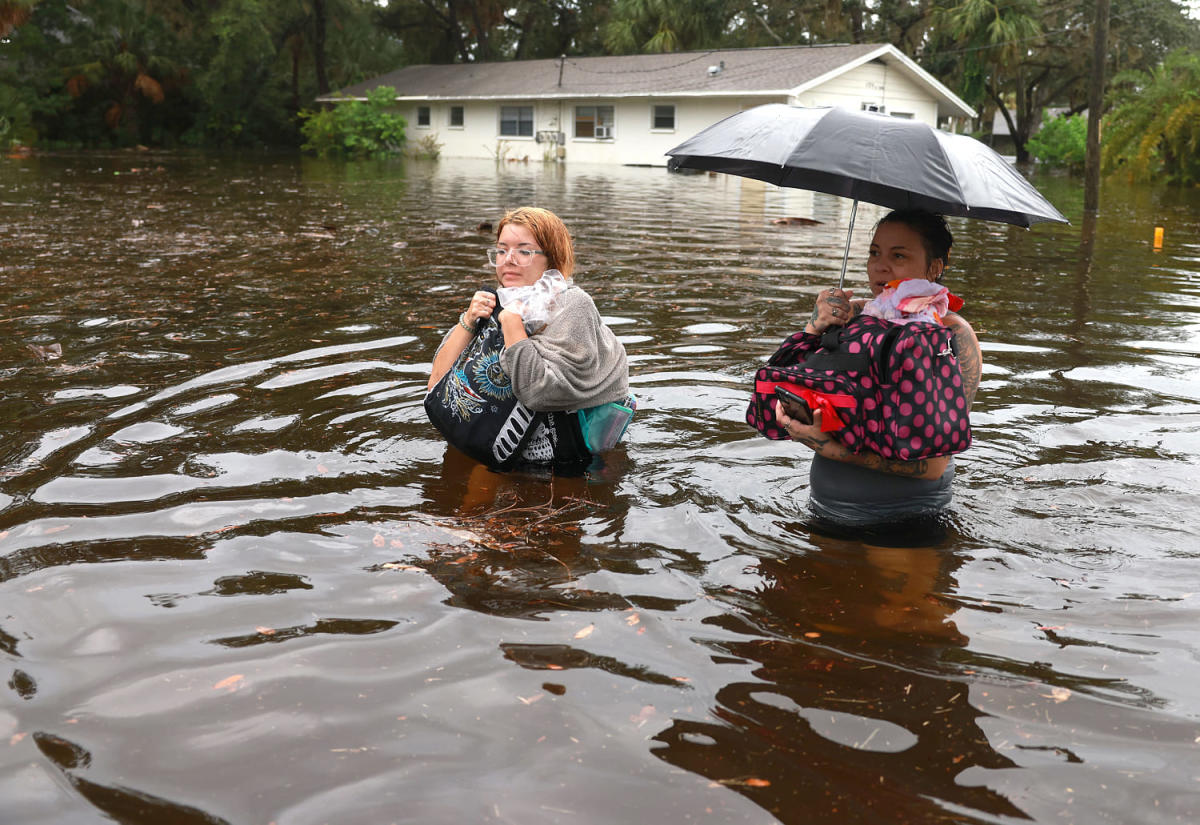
x: 242, y: 580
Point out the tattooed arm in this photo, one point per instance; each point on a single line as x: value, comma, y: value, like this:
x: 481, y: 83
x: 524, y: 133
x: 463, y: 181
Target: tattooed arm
x: 826, y: 446
x: 833, y: 307
x: 966, y: 345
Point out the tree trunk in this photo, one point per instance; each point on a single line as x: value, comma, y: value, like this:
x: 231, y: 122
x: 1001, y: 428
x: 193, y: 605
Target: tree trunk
x: 999, y: 101
x: 295, y: 50
x: 319, y: 46
x: 482, y: 34
x: 1024, y: 122
x: 1091, y: 177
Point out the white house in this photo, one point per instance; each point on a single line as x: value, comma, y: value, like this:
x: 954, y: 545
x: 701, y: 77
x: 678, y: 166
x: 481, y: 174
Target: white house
x: 631, y: 109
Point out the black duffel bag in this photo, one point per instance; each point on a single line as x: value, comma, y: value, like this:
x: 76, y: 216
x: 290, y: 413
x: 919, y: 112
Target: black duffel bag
x: 474, y: 406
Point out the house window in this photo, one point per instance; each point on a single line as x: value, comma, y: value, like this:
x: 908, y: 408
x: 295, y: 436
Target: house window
x: 664, y: 117
x: 456, y: 117
x: 516, y: 121
x: 423, y: 116
x: 875, y: 107
x: 903, y: 115
x: 594, y: 122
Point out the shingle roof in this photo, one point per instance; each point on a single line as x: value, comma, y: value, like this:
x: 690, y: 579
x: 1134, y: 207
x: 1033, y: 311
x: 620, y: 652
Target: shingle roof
x: 769, y: 71
x: 763, y: 70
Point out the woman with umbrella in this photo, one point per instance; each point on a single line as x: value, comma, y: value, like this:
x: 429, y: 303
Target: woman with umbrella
x: 864, y: 487
x: 897, y: 163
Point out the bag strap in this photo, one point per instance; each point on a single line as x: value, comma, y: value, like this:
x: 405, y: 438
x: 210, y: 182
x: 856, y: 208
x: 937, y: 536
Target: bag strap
x: 832, y: 357
x: 481, y: 324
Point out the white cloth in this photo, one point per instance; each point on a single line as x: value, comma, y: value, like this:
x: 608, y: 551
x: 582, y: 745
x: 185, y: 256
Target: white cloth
x: 912, y: 299
x: 538, y: 303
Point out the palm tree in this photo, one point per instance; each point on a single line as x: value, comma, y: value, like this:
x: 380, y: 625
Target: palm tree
x: 1153, y: 127
x: 638, y: 26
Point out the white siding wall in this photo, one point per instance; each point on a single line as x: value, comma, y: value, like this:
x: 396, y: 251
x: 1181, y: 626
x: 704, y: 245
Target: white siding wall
x: 874, y: 83
x: 634, y: 141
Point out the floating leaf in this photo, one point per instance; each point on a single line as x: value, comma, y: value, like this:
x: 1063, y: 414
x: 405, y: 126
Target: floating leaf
x: 585, y: 632
x: 229, y: 683
x: 643, y: 716
x: 49, y: 352
x: 1058, y: 694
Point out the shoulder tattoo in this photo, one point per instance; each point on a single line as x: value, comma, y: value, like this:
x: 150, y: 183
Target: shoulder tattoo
x: 970, y: 362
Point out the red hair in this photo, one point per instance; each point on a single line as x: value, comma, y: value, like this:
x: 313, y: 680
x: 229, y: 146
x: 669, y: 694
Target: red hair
x: 550, y: 233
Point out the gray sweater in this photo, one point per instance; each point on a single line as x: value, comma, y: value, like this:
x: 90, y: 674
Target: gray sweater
x: 574, y: 363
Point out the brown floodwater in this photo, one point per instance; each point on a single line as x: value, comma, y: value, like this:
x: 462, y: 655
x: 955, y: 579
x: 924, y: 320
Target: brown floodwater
x: 243, y: 581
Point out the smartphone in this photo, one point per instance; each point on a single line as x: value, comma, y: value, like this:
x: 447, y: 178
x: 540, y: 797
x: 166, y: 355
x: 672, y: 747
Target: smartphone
x: 795, y: 406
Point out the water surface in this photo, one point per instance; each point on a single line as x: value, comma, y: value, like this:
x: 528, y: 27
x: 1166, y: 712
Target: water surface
x: 243, y: 581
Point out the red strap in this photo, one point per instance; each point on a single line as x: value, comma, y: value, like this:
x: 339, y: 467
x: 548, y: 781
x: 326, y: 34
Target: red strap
x: 825, y: 402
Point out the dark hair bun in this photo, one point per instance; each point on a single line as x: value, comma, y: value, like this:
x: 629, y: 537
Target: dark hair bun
x: 930, y: 226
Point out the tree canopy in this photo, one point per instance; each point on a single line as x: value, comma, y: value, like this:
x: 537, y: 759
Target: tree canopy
x: 1153, y: 128
x: 239, y: 72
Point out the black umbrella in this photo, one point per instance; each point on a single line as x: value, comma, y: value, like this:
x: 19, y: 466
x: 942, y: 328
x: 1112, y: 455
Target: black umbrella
x: 889, y: 161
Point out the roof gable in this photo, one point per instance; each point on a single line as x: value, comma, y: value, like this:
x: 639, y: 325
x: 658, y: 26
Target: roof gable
x: 949, y: 104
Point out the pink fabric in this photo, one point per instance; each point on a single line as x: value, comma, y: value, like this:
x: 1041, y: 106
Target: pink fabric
x: 914, y: 299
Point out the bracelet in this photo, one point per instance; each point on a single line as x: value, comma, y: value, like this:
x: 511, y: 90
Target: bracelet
x: 462, y: 323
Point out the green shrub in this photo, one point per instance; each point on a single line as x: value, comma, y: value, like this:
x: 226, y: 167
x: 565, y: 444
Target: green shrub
x: 1061, y: 142
x: 426, y: 148
x: 355, y: 129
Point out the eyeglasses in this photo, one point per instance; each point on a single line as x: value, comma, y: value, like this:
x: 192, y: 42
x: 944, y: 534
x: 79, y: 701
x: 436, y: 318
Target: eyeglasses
x: 517, y: 255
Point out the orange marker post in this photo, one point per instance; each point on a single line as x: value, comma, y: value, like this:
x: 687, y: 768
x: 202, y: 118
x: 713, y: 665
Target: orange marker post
x: 1158, y: 237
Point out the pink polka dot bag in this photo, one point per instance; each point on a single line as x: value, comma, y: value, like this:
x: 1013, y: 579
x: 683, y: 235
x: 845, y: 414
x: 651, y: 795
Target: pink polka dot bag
x: 893, y: 389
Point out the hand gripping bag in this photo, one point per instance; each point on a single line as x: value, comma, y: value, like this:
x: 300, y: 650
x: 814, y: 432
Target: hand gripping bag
x: 475, y: 408
x: 893, y: 389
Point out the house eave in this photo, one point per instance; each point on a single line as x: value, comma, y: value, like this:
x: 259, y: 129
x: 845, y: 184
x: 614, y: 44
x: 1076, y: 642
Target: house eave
x: 774, y: 93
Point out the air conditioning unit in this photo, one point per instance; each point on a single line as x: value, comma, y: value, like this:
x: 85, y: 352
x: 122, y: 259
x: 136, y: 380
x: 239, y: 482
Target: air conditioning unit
x: 603, y: 133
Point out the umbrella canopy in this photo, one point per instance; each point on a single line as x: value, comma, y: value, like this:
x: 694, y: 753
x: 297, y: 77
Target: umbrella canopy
x: 889, y: 161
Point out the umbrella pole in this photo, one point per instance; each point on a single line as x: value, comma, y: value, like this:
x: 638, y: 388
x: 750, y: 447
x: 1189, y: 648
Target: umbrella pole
x: 846, y: 254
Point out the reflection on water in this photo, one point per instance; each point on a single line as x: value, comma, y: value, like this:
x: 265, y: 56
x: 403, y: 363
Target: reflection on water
x: 244, y: 582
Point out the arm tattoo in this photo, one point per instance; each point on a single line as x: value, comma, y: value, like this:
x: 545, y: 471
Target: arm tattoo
x: 916, y: 468
x: 813, y: 444
x: 970, y: 363
x: 828, y: 447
